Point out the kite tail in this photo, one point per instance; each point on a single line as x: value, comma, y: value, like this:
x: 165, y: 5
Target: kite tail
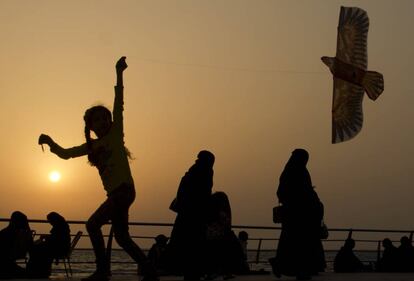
x: 373, y: 83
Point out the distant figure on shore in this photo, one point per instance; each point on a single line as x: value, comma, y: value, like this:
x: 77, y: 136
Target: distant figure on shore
x: 15, y: 242
x: 156, y: 254
x: 389, y: 259
x: 346, y: 260
x: 109, y: 155
x: 406, y: 255
x: 300, y: 251
x: 49, y: 247
x: 187, y: 245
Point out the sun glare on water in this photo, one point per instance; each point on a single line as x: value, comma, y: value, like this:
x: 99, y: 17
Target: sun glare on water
x: 54, y: 176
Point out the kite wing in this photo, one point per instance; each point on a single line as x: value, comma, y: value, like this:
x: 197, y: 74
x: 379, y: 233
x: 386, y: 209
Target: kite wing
x: 352, y: 37
x: 347, y: 114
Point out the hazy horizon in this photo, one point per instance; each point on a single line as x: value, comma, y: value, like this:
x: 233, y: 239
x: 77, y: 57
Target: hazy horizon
x: 242, y: 79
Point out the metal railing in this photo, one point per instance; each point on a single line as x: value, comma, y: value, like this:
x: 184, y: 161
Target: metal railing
x: 259, y: 250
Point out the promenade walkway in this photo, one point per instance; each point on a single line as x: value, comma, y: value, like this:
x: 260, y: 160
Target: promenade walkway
x: 269, y: 277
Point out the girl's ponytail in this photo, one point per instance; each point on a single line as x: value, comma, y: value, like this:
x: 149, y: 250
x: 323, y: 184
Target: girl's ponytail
x: 89, y: 145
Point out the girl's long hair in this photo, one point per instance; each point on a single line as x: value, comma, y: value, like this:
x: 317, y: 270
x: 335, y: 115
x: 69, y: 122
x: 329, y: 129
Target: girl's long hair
x: 93, y: 155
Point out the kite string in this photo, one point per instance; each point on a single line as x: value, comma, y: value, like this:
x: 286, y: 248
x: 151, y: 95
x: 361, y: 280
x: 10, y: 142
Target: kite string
x: 228, y: 68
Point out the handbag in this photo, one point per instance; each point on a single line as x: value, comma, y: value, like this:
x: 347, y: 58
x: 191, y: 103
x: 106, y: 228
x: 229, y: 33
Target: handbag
x: 324, y: 232
x: 278, y: 214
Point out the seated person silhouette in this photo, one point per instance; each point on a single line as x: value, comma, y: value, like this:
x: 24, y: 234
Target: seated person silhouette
x: 49, y: 247
x: 15, y: 241
x: 389, y: 259
x: 156, y: 254
x: 345, y: 260
x: 243, y: 265
x: 406, y: 255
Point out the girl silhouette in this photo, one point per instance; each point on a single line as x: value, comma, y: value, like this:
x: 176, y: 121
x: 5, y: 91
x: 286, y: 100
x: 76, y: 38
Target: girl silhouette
x: 109, y: 155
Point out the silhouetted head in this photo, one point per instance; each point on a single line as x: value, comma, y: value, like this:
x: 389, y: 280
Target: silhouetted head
x: 405, y: 241
x: 349, y: 243
x: 98, y: 119
x: 55, y: 219
x: 18, y: 220
x: 386, y: 243
x: 299, y: 157
x: 243, y: 236
x: 205, y: 158
x: 161, y: 239
x: 220, y: 201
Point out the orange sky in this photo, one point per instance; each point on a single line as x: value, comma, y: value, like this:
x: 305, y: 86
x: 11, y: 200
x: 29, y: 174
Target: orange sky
x: 240, y: 78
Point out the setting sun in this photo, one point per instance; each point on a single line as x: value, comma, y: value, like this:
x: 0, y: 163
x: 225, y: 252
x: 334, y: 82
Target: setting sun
x: 54, y: 176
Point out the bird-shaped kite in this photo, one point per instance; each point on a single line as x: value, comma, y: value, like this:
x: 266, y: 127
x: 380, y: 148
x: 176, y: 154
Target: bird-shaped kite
x: 350, y: 75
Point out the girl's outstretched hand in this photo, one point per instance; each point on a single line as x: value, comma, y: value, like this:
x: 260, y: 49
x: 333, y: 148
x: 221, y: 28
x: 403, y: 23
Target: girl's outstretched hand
x: 121, y: 64
x: 45, y: 139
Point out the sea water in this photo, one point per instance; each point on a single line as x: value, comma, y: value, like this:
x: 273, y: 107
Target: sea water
x: 83, y: 261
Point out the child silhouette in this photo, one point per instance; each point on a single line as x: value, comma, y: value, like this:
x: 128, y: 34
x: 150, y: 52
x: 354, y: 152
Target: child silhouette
x: 109, y: 155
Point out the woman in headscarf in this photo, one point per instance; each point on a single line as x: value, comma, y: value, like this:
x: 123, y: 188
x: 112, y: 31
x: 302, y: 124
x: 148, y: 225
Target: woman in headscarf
x: 300, y: 251
x: 187, y: 246
x: 186, y: 249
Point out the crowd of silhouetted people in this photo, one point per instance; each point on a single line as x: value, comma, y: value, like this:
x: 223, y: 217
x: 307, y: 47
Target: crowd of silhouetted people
x: 393, y: 259
x: 397, y: 259
x: 202, y: 244
x: 17, y: 240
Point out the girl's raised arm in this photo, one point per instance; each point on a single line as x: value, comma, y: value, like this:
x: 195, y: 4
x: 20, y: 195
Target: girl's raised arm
x: 119, y: 94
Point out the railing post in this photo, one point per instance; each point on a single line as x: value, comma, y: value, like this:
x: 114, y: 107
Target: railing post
x: 109, y: 247
x: 378, y: 253
x: 258, y: 251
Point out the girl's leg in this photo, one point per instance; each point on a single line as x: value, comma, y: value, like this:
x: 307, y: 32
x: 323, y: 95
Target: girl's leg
x: 123, y: 199
x: 100, y: 217
x: 124, y: 240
